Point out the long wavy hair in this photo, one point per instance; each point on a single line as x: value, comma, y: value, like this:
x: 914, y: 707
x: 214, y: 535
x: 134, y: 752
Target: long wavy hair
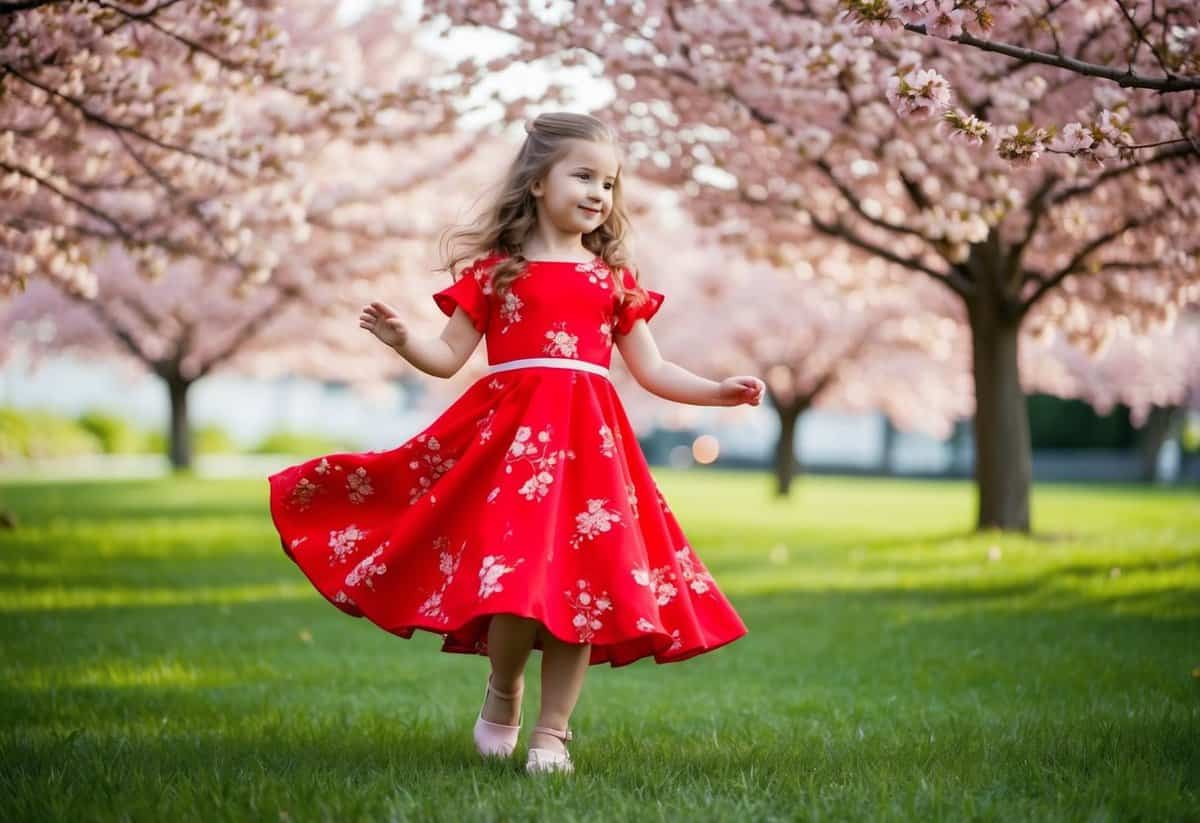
x: 509, y: 218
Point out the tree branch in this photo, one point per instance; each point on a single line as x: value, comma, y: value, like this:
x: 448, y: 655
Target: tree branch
x: 1172, y: 153
x: 1054, y: 280
x: 953, y: 281
x: 1126, y: 79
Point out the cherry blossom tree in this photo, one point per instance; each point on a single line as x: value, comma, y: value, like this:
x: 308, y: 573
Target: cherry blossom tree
x: 338, y: 229
x: 1134, y: 44
x: 814, y: 344
x: 149, y: 124
x: 771, y: 119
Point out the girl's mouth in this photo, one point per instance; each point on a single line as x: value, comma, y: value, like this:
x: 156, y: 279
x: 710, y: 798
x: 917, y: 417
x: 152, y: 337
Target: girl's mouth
x: 590, y: 211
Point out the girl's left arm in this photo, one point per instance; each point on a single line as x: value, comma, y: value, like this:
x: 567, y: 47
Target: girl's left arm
x: 671, y: 381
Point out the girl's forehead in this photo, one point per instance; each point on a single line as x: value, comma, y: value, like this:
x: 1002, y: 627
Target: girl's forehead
x: 600, y: 157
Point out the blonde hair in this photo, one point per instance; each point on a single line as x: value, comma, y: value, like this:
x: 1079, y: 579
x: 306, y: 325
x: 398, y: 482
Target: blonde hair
x: 511, y: 216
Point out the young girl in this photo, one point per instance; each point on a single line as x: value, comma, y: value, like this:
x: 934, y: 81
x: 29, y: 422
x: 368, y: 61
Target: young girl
x: 525, y: 517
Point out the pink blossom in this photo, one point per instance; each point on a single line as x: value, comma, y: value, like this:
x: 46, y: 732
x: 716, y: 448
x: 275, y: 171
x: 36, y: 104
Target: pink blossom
x: 1073, y: 137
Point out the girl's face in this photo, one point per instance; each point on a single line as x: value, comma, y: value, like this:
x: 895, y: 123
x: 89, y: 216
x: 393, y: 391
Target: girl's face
x: 577, y: 192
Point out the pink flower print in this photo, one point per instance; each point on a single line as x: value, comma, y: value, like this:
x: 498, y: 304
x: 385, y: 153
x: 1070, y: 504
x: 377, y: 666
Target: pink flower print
x: 657, y: 580
x: 699, y: 580
x: 484, y: 424
x: 303, y: 493
x: 521, y: 442
x: 510, y: 310
x: 359, y: 484
x: 596, y: 270
x: 588, y: 609
x: 541, y: 459
x: 436, y: 466
x: 606, y: 441
x: 662, y: 501
x: 448, y: 565
x: 631, y: 493
x: 490, y: 572
x: 344, y: 542
x: 562, y: 343
x: 644, y: 625
x: 606, y: 332
x: 537, y: 486
x: 367, y: 569
x: 596, y: 520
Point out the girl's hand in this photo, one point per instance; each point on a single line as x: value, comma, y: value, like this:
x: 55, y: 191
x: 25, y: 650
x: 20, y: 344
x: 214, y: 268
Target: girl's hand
x: 734, y: 391
x: 382, y: 320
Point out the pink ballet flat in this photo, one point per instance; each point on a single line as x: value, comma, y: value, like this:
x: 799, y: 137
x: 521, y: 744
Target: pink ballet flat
x: 546, y: 760
x: 496, y: 739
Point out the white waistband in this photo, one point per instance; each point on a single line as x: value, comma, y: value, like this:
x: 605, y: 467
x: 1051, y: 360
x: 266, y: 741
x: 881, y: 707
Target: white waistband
x: 551, y: 362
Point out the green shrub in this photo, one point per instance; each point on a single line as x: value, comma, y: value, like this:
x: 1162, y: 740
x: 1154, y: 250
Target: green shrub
x: 35, y: 433
x: 212, y: 439
x: 116, y: 434
x: 286, y: 442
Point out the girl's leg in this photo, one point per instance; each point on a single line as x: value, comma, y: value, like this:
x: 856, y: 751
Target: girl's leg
x: 510, y: 639
x: 563, y: 668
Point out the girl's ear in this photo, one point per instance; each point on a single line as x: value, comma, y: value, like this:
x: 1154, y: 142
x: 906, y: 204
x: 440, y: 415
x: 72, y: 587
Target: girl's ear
x: 536, y: 187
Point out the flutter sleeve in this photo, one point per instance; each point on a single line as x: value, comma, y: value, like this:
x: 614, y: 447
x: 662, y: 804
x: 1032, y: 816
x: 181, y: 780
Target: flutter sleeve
x: 467, y: 292
x: 639, y: 302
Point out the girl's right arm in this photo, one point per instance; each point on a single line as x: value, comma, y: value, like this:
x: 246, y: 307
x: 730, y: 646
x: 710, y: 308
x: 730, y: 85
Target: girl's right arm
x: 441, y: 357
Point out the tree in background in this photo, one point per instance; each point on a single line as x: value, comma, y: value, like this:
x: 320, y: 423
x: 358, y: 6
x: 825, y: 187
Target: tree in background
x: 338, y: 225
x: 773, y: 121
x: 1136, y: 44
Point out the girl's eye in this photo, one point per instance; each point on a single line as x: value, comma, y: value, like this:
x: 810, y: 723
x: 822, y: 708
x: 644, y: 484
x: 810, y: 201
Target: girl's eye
x: 584, y: 176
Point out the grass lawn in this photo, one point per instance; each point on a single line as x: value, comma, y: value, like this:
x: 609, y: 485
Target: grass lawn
x: 164, y: 661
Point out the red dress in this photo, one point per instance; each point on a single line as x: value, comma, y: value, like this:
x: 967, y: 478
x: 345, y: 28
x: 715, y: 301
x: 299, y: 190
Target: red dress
x: 528, y: 495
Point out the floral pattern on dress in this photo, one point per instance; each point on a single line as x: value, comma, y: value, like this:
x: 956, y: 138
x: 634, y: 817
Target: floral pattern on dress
x: 537, y: 453
x: 484, y: 424
x: 359, y: 484
x: 434, y: 462
x: 658, y: 582
x: 596, y: 270
x: 490, y: 572
x: 631, y: 494
x: 344, y: 542
x: 588, y: 609
x: 699, y: 580
x: 510, y: 310
x: 607, y: 446
x: 596, y: 520
x: 303, y: 493
x: 562, y: 342
x: 367, y: 569
x: 448, y: 564
x: 606, y: 333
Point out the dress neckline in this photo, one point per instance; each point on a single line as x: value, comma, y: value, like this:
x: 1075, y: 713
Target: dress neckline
x: 565, y: 262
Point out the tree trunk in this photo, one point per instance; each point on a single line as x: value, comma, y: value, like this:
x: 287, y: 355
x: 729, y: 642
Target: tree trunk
x: 785, y: 449
x: 887, y: 449
x: 1003, y: 454
x: 180, y: 435
x: 1161, y: 426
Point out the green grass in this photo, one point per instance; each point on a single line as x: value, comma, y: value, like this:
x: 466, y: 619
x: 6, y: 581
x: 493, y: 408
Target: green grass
x: 164, y: 661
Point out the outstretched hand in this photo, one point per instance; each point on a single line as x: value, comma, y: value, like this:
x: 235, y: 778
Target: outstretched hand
x: 734, y: 391
x: 384, y: 322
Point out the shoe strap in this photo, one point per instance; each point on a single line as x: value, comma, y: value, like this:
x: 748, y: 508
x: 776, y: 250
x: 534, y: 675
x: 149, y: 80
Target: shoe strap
x: 504, y: 694
x: 562, y: 734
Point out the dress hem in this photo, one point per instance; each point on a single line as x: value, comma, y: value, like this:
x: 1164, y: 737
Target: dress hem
x: 407, y: 630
